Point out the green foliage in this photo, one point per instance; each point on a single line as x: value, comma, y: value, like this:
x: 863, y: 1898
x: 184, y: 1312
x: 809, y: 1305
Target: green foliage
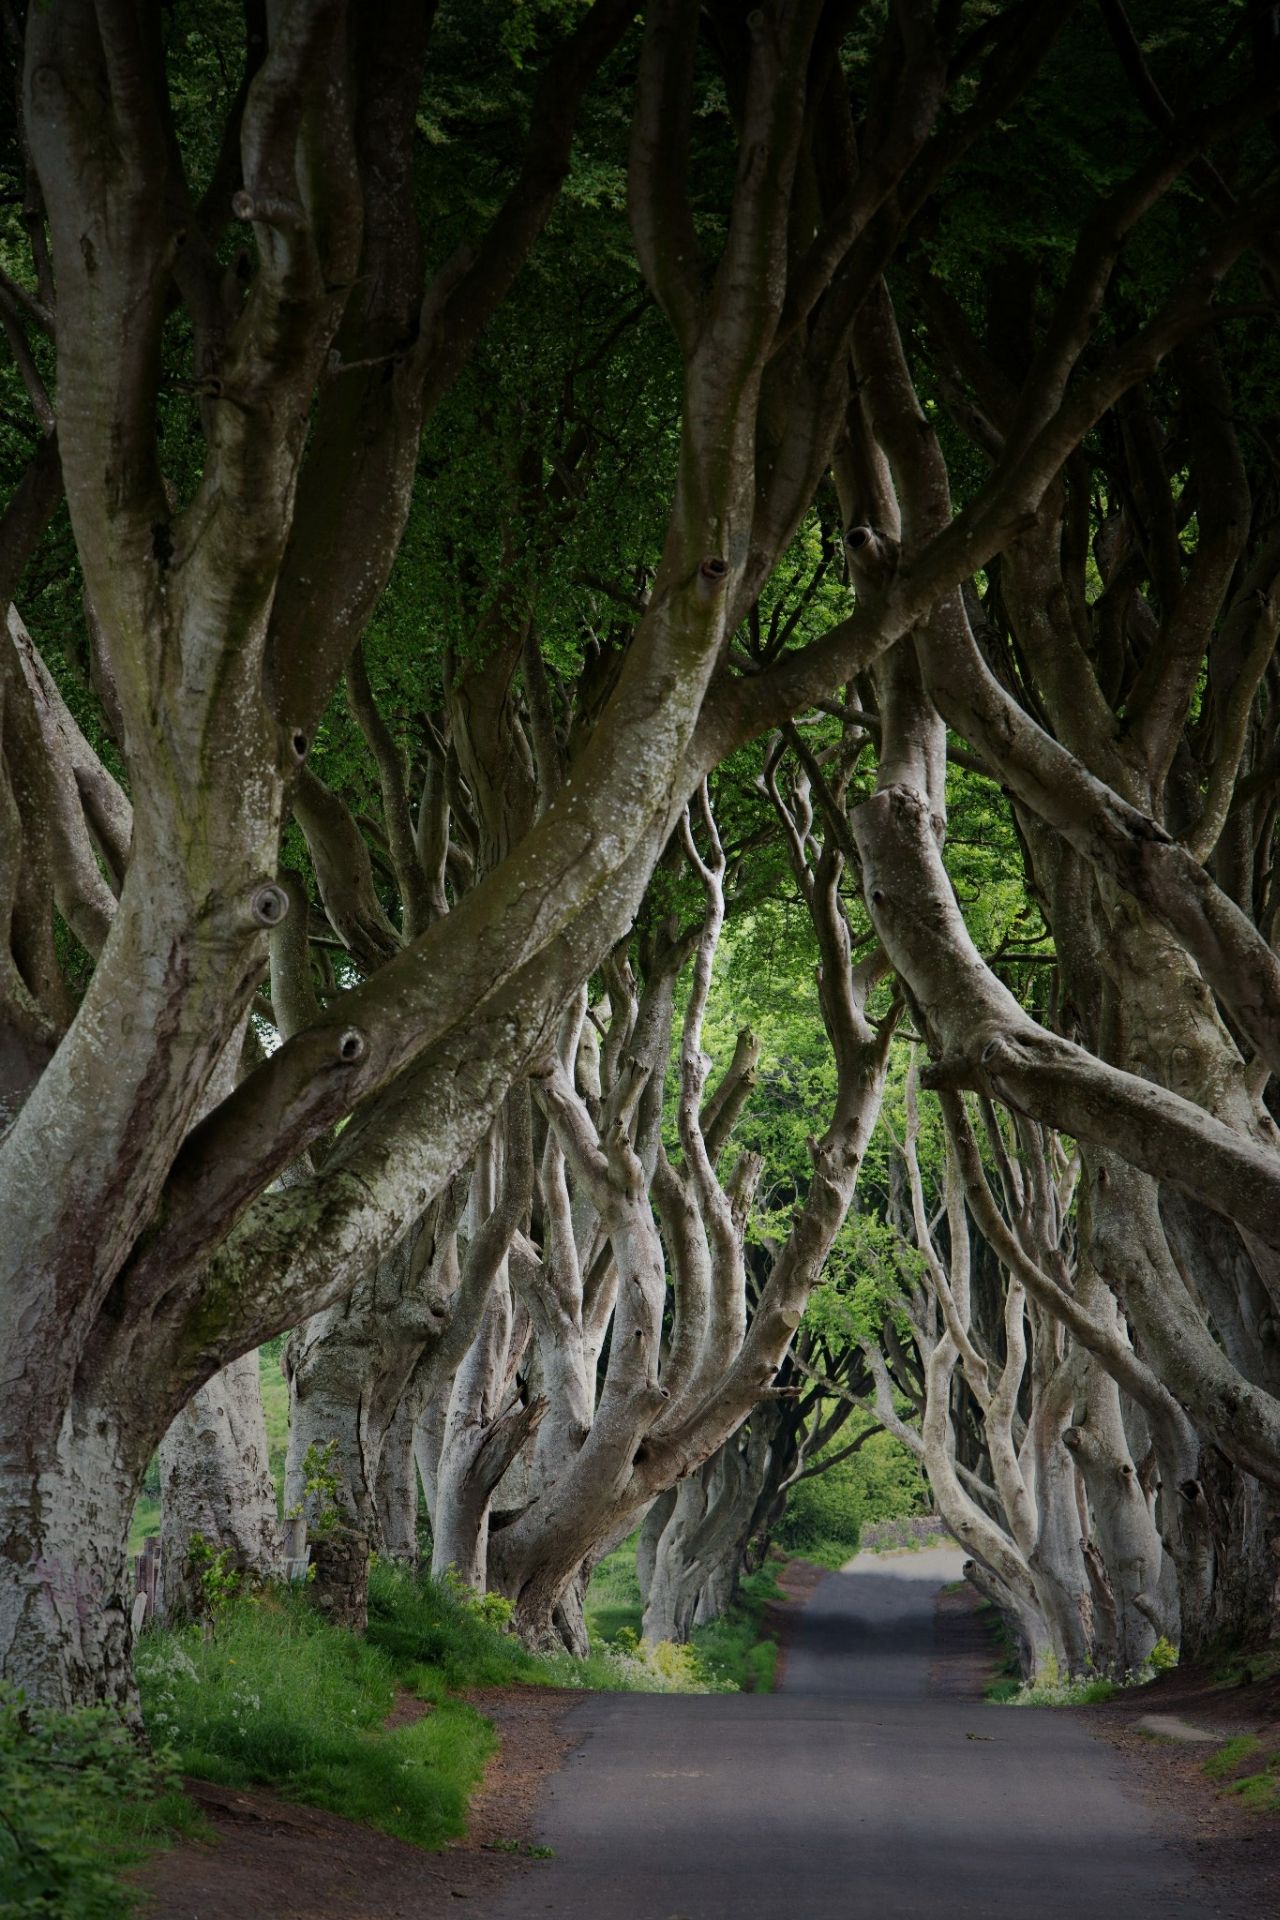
x: 1259, y: 1788
x: 440, y: 1638
x: 79, y: 1800
x: 1259, y: 1792
x: 1223, y: 1762
x: 1243, y: 1669
x: 1053, y: 1688
x: 493, y: 1608
x: 321, y: 1488
x: 613, y: 1604
x: 736, y: 1648
x: 825, y: 1515
x: 281, y: 1698
x: 436, y: 1628
x: 218, y: 1579
x: 671, y: 1666
x: 727, y: 1655
x: 275, y: 1408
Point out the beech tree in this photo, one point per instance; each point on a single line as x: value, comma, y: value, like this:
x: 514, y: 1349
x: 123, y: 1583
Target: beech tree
x: 161, y: 1220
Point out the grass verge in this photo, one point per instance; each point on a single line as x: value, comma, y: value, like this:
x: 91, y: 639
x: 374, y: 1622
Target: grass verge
x: 275, y: 1696
x: 1053, y: 1688
x: 1244, y: 1768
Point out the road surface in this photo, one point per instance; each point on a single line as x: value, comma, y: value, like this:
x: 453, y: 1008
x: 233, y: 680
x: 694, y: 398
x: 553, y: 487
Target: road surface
x: 864, y: 1789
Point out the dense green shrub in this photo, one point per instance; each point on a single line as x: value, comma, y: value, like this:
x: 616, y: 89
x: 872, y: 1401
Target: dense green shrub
x: 736, y: 1647
x: 447, y: 1636
x: 825, y: 1514
x: 78, y: 1797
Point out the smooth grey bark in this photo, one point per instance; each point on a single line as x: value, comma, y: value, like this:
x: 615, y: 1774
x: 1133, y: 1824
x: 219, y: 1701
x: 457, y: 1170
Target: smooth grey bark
x: 648, y: 1536
x: 215, y: 1481
x: 348, y: 1369
x: 396, y: 1493
x: 699, y: 1556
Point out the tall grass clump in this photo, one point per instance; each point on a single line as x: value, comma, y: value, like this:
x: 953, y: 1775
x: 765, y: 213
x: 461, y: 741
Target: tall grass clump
x: 735, y: 1647
x: 442, y: 1635
x: 276, y: 1696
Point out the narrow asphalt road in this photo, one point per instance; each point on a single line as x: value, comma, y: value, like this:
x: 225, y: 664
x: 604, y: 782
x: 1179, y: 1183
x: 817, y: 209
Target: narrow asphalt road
x: 875, y: 1785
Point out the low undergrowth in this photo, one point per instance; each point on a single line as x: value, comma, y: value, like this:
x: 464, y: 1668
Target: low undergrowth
x: 1248, y: 1769
x: 613, y: 1603
x: 1249, y: 1667
x: 79, y: 1802
x: 275, y: 1696
x: 736, y: 1646
x: 825, y: 1552
x: 1053, y: 1688
x: 725, y: 1656
x: 454, y: 1639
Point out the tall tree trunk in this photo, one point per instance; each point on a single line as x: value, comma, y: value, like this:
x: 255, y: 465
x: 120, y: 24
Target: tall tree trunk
x: 397, y: 1489
x: 215, y: 1482
x: 65, y: 1603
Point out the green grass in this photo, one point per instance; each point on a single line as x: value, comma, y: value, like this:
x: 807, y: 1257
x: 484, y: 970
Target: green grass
x: 736, y: 1647
x: 275, y: 1407
x: 1259, y: 1789
x: 730, y: 1653
x: 272, y: 1695
x: 278, y: 1697
x: 1050, y: 1692
x: 613, y: 1604
x: 437, y: 1641
x: 1260, y: 1792
x: 146, y: 1517
x: 826, y: 1552
x: 442, y: 1640
x: 1223, y: 1762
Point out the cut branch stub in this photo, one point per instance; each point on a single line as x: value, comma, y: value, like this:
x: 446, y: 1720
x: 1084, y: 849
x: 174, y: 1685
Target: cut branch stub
x: 352, y: 1046
x: 873, y: 557
x: 713, y: 572
x: 269, y: 905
